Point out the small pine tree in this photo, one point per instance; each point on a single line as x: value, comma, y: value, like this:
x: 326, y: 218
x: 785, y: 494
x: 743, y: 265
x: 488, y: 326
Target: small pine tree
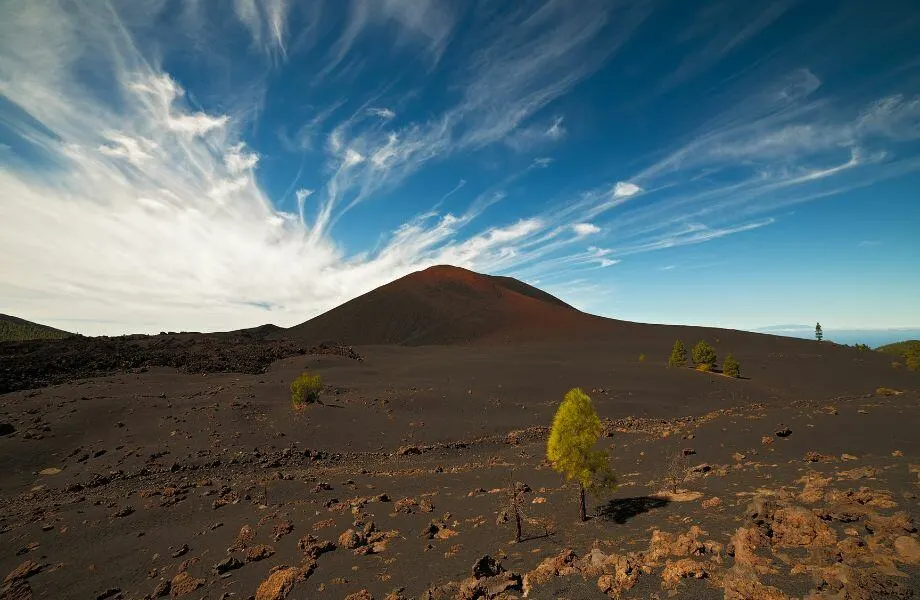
x: 678, y: 355
x: 819, y: 333
x: 704, y: 356
x: 570, y: 449
x: 730, y: 367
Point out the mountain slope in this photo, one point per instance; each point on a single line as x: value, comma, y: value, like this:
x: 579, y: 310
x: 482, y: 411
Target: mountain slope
x: 447, y: 305
x: 14, y: 329
x: 900, y: 348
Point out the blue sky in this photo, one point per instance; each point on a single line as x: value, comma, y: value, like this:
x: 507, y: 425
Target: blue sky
x: 198, y: 165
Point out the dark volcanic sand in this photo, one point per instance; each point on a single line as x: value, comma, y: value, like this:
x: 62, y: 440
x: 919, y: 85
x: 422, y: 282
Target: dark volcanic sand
x: 150, y: 462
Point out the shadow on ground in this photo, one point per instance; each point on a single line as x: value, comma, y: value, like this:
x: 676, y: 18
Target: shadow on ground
x: 624, y: 509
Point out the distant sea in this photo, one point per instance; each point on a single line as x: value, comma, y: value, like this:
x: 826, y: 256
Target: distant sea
x: 873, y: 337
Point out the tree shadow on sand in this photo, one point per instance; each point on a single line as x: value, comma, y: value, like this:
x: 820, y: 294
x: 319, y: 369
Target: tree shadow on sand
x: 621, y: 510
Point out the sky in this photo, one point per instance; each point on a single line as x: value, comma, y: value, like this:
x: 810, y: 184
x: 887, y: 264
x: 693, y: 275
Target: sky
x: 198, y: 165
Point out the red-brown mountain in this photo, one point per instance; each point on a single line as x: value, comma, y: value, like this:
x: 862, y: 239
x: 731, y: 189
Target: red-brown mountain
x: 448, y: 305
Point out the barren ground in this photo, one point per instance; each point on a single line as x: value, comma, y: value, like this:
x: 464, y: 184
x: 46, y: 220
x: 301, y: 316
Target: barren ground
x: 113, y: 485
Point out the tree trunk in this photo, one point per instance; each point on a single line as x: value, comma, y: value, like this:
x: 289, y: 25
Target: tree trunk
x: 517, y: 522
x: 582, y: 509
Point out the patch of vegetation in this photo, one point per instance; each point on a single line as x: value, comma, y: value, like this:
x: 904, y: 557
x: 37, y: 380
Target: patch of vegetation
x: 678, y: 355
x: 900, y: 348
x: 886, y: 391
x: 13, y: 329
x: 913, y: 360
x: 908, y: 351
x: 576, y: 429
x: 642, y: 357
x: 305, y: 389
x: 731, y: 367
x: 704, y: 368
x: 704, y: 354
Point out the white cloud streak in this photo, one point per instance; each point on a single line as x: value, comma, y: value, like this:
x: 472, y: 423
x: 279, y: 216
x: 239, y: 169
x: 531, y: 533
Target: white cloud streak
x: 585, y: 229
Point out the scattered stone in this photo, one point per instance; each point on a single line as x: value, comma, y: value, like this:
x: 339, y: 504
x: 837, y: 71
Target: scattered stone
x: 16, y: 590
x: 783, y: 432
x: 407, y: 450
x: 741, y: 583
x: 766, y: 440
x: 162, y: 589
x: 561, y: 565
x: 686, y: 567
x: 360, y: 595
x: 228, y: 564
x: 27, y: 548
x: 898, y: 524
x: 350, y: 539
x: 7, y: 429
x: 313, y: 548
x: 814, y: 457
x: 23, y: 571
x: 278, y: 584
x: 688, y: 451
x: 282, y: 529
x: 183, y: 584
x: 123, y: 512
x: 711, y: 502
x: 487, y: 567
x: 50, y: 471
x: 259, y: 552
x: 109, y: 593
x: 246, y: 535
x: 181, y: 551
x: 908, y: 549
x: 701, y: 468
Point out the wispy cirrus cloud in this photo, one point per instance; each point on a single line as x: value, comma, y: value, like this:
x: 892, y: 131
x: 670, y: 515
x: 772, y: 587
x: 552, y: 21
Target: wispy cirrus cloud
x: 150, y: 173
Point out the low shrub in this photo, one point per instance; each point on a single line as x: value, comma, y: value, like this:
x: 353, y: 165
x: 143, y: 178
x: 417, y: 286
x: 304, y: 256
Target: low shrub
x: 642, y: 357
x: 704, y: 367
x: 305, y: 389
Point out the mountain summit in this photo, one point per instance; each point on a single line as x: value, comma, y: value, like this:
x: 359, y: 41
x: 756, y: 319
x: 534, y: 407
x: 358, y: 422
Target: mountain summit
x: 446, y: 305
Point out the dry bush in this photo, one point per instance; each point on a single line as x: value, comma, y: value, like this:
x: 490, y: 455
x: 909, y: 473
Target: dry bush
x: 305, y: 389
x: 675, y: 472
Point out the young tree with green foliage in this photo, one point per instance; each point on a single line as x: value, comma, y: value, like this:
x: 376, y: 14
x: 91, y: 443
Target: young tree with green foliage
x: 819, y: 333
x: 730, y: 367
x: 576, y: 429
x: 678, y: 355
x: 305, y: 389
x: 704, y: 356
